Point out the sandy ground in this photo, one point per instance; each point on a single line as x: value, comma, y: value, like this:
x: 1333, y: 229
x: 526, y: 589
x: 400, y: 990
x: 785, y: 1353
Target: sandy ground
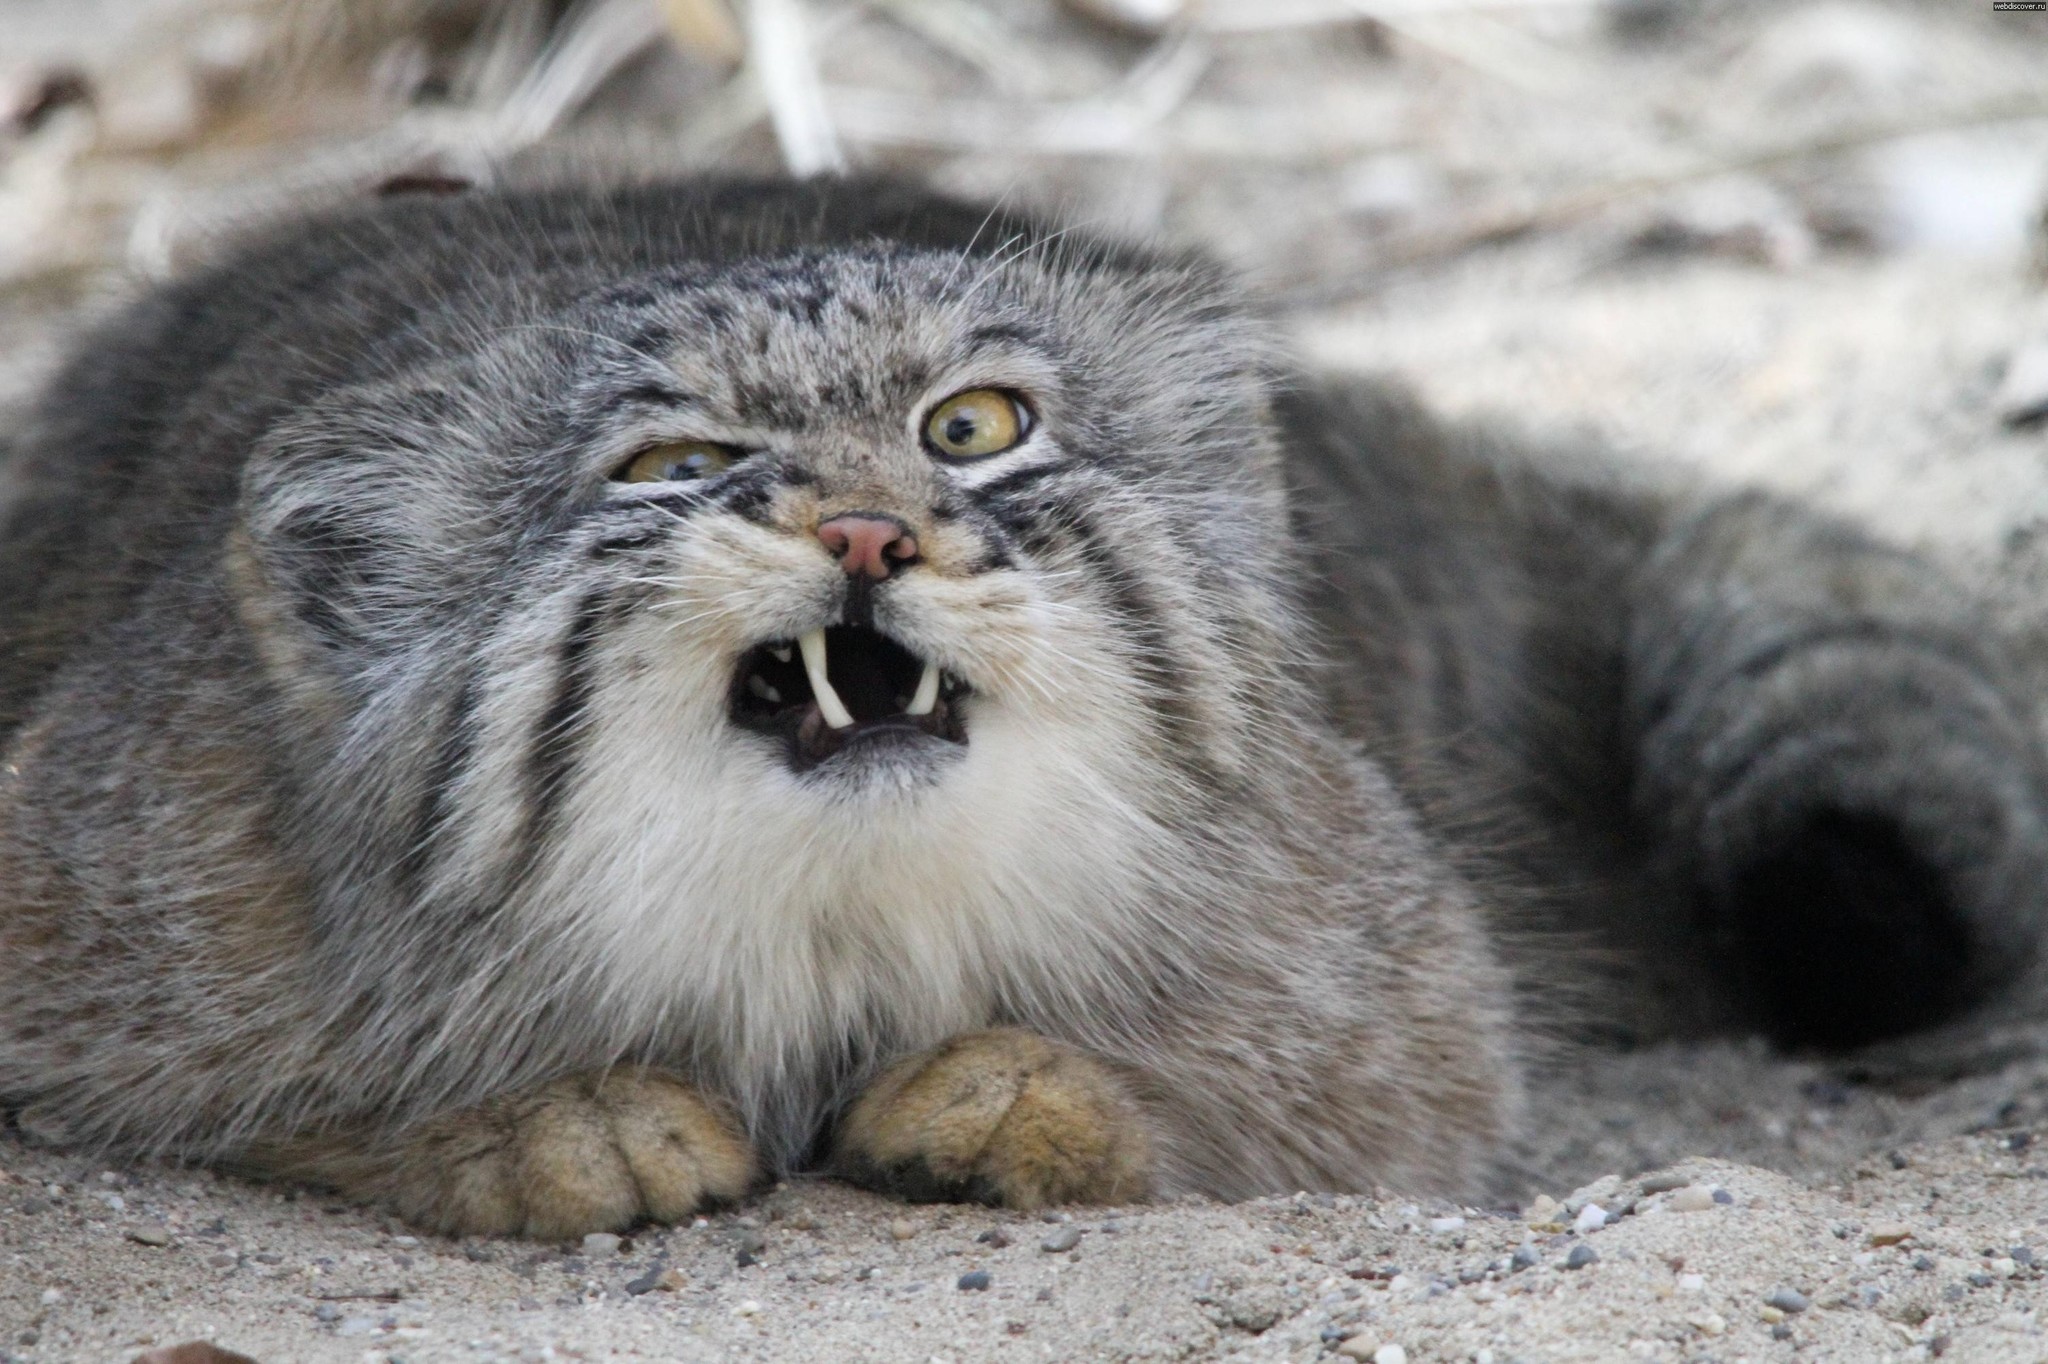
x: 1866, y: 362
x: 1926, y: 1252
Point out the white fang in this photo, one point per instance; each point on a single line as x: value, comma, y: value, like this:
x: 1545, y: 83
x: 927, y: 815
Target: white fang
x: 927, y: 691
x: 812, y: 642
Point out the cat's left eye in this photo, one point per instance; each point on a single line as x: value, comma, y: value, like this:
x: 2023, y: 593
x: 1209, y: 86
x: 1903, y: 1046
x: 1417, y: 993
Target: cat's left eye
x: 977, y: 423
x: 678, y: 462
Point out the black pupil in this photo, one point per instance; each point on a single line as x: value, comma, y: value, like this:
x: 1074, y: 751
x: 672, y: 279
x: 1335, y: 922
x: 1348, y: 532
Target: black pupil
x: 961, y: 428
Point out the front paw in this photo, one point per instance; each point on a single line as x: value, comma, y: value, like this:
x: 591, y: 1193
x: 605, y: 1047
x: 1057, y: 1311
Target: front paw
x: 997, y: 1117
x: 593, y: 1152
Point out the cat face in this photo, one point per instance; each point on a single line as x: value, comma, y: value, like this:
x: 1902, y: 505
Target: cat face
x: 596, y: 551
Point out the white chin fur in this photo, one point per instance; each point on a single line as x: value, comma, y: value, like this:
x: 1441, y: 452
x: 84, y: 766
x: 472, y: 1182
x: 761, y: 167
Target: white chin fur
x: 755, y: 922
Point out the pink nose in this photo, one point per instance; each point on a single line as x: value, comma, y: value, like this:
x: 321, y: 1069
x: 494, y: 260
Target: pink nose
x: 871, y: 545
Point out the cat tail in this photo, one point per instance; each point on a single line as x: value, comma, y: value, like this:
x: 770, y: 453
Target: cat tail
x: 1832, y: 751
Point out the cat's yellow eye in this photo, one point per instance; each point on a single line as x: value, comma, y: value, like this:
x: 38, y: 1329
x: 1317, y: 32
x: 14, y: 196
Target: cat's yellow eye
x: 981, y: 421
x: 678, y: 462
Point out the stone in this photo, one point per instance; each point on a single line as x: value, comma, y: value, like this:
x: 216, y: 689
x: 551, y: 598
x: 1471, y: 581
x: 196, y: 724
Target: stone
x: 599, y: 1245
x: 149, y: 1236
x: 903, y: 1229
x: 975, y: 1281
x: 1889, y: 1234
x: 1066, y: 1238
x: 1664, y: 1181
x: 1580, y: 1256
x: 1789, y: 1300
x: 1691, y: 1198
x: 652, y: 1280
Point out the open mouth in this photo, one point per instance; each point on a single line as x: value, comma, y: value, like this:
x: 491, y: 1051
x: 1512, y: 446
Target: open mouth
x: 841, y: 687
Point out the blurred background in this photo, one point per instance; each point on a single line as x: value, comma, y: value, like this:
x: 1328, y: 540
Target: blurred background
x: 1795, y: 242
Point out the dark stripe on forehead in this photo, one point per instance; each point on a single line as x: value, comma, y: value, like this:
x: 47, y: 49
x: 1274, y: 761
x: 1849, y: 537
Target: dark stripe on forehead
x: 652, y: 394
x: 1019, y: 333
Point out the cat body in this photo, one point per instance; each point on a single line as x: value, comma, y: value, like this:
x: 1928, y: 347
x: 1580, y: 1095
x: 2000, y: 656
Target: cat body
x: 402, y: 793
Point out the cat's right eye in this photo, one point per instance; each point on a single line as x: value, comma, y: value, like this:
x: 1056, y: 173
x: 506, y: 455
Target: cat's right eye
x: 678, y: 462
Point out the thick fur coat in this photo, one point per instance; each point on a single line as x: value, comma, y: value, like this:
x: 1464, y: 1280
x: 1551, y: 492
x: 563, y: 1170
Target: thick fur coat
x: 382, y: 804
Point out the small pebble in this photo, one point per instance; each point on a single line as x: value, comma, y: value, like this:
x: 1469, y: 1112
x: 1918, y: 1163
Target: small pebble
x: 1789, y: 1300
x: 327, y: 1311
x: 599, y: 1245
x: 1066, y: 1238
x: 1722, y: 1196
x: 648, y: 1282
x: 2022, y: 1255
x: 1526, y: 1256
x: 1591, y: 1218
x: 149, y: 1236
x: 1923, y: 1263
x: 975, y: 1281
x: 356, y: 1326
x: 1580, y: 1256
x: 1390, y: 1354
x: 994, y: 1237
x: 1359, y: 1347
x: 1443, y: 1224
x: 748, y: 1241
x: 1664, y: 1181
x: 1691, y: 1198
x: 1692, y: 1283
x: 1781, y: 1332
x: 902, y: 1229
x: 1890, y: 1234
x: 749, y: 1308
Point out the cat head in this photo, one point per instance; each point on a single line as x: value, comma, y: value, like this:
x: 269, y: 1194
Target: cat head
x: 842, y: 576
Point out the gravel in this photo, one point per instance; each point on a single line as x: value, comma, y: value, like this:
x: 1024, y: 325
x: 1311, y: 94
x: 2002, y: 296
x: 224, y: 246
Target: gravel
x: 1282, y: 1278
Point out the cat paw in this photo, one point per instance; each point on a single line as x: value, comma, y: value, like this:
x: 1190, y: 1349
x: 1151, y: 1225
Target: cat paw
x: 997, y: 1117
x: 594, y: 1152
